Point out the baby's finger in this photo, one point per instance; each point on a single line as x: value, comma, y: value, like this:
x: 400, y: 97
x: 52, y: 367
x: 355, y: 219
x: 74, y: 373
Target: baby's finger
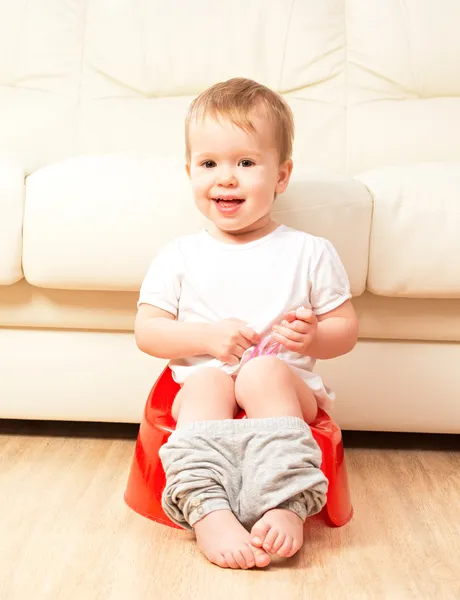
x: 298, y: 326
x: 240, y: 350
x: 288, y: 333
x: 250, y: 335
x: 290, y: 316
x: 305, y: 314
x: 244, y: 343
x: 287, y: 343
x: 232, y: 359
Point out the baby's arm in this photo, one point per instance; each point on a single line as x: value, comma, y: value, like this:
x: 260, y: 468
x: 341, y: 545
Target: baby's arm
x: 324, y: 336
x: 336, y: 333
x: 159, y: 334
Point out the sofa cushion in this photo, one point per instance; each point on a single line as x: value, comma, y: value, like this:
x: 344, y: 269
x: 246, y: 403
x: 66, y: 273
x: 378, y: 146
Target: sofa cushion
x: 75, y: 88
x: 402, y: 82
x: 23, y: 305
x: 95, y: 223
x: 334, y: 207
x: 430, y: 319
x: 11, y: 213
x: 415, y: 241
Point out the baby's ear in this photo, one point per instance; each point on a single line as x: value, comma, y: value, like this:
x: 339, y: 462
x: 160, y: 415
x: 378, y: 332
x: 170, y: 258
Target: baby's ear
x: 284, y: 175
x: 187, y: 169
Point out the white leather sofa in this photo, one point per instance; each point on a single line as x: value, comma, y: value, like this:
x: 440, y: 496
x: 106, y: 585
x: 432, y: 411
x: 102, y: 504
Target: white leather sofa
x: 92, y: 101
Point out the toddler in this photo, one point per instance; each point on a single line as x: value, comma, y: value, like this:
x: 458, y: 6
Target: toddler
x: 245, y: 486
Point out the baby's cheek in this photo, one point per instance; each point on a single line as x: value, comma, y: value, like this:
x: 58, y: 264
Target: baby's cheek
x: 254, y: 178
x: 198, y: 183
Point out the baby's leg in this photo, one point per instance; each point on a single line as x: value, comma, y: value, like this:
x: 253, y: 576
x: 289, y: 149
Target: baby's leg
x: 209, y: 395
x: 267, y: 387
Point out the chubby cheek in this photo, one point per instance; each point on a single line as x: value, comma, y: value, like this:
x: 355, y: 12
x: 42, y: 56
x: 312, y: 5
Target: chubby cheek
x: 196, y: 189
x: 259, y: 187
x: 200, y: 185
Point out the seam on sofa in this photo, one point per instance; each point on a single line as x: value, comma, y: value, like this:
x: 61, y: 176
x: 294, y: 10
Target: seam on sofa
x: 369, y: 191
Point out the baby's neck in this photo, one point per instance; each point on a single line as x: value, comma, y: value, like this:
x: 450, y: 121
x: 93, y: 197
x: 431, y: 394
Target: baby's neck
x: 249, y: 234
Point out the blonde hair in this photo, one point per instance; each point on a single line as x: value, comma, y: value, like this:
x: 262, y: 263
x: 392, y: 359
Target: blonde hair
x: 236, y: 99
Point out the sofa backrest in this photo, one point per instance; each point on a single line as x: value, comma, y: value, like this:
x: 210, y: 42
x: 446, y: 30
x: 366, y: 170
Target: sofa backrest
x: 370, y: 83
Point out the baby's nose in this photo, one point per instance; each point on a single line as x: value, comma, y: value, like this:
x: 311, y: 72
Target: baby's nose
x: 226, y: 177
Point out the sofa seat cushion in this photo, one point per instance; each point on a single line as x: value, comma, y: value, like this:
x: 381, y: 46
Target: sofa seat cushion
x: 95, y: 223
x: 26, y: 306
x: 415, y: 240
x: 23, y: 305
x: 422, y: 319
x: 11, y: 214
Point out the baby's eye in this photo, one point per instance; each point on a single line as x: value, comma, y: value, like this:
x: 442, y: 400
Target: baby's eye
x: 245, y: 162
x: 208, y: 164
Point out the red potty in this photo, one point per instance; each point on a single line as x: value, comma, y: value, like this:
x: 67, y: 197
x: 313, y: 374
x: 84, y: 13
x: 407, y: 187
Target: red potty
x: 147, y: 479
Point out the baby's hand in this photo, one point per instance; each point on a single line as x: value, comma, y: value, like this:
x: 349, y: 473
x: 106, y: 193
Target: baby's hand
x: 229, y: 339
x: 297, y: 331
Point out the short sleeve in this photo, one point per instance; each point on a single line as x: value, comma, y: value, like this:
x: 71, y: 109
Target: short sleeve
x: 329, y: 284
x: 161, y: 285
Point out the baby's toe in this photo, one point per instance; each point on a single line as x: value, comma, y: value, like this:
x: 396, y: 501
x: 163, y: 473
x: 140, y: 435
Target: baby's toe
x: 289, y: 548
x: 219, y: 560
x: 258, y: 533
x: 240, y: 559
x: 262, y: 559
x: 230, y: 560
x: 270, y: 540
x: 249, y: 557
x: 278, y: 542
x: 296, y: 545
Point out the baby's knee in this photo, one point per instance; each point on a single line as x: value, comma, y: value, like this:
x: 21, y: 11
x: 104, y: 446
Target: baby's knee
x: 203, y: 388
x: 210, y: 377
x: 261, y: 373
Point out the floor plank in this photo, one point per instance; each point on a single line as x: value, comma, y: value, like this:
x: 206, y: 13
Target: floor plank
x: 65, y: 532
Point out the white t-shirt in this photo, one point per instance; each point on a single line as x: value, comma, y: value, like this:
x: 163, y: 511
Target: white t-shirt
x: 199, y: 279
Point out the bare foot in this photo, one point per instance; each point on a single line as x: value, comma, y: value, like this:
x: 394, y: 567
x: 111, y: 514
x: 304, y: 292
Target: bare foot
x: 279, y: 531
x: 226, y: 543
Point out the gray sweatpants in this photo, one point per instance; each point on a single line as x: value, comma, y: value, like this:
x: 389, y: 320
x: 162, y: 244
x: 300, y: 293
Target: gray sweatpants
x: 247, y: 466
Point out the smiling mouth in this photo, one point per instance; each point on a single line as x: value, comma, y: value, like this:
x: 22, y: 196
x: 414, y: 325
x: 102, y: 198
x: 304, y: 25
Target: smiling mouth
x: 228, y: 200
x: 229, y: 207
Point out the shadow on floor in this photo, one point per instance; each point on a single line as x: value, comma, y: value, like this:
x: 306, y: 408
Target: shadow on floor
x: 351, y: 439
x: 69, y: 429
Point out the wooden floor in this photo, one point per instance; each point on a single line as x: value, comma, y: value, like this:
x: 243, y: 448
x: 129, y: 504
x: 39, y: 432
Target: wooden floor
x: 66, y: 534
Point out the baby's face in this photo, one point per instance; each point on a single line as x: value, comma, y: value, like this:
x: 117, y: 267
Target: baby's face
x: 235, y: 174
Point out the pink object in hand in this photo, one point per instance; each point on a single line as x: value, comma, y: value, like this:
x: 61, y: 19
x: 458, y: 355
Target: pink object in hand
x: 265, y: 347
